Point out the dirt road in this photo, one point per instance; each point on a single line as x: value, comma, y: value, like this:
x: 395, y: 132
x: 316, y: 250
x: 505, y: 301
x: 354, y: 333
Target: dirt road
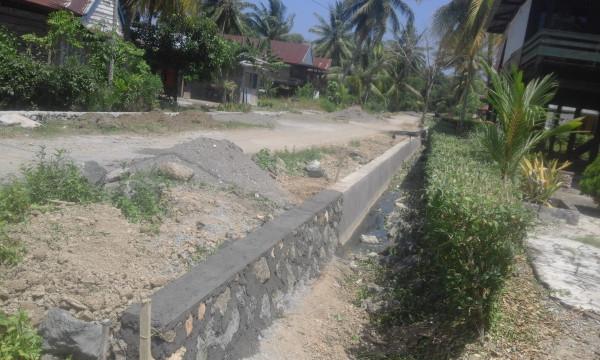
x: 282, y: 130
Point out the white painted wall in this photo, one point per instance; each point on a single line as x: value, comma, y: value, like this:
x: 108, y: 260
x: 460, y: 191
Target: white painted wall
x: 515, y: 32
x: 103, y: 15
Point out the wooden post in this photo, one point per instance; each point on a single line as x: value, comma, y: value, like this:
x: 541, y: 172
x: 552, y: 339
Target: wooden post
x: 145, y: 322
x: 104, y: 342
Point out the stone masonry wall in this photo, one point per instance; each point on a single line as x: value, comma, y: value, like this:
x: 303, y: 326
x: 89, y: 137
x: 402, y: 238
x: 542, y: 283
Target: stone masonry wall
x: 217, y: 309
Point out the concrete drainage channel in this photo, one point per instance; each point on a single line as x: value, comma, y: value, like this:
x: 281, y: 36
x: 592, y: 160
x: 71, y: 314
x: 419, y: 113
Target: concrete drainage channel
x: 218, y: 309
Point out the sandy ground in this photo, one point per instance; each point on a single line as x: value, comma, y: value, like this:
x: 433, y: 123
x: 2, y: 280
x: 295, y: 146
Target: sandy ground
x: 285, y: 130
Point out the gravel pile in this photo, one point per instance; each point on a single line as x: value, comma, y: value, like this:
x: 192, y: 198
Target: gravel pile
x: 219, y: 163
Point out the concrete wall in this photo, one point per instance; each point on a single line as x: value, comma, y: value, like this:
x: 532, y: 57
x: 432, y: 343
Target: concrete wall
x: 515, y: 32
x: 218, y: 309
x: 363, y: 187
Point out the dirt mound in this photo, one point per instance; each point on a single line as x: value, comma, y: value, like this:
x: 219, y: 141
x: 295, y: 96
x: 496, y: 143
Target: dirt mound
x: 194, y: 116
x: 152, y: 116
x: 219, y: 163
x: 91, y: 261
x: 354, y: 113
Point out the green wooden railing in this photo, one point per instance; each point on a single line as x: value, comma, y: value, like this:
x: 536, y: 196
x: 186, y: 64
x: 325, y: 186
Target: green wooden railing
x: 564, y: 45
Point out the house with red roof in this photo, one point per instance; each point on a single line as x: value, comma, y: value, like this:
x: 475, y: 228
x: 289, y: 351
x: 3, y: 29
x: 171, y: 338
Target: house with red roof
x: 300, y: 67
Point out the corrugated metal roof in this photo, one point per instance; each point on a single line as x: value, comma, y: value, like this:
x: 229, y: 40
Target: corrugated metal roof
x: 79, y: 7
x: 291, y: 53
x: 323, y: 63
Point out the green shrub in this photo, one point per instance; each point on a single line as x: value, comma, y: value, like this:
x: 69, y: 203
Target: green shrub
x: 10, y: 250
x: 476, y: 224
x: 139, y: 197
x: 590, y: 182
x: 327, y: 105
x: 57, y: 178
x: 334, y: 93
x: 14, y: 201
x: 137, y: 92
x: 264, y: 159
x: 18, y: 340
x: 306, y: 92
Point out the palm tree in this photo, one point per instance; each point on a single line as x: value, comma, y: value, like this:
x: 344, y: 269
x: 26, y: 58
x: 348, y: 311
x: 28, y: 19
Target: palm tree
x: 461, y: 24
x: 335, y: 40
x: 228, y: 15
x: 371, y: 17
x: 520, y: 117
x: 149, y: 9
x: 271, y: 22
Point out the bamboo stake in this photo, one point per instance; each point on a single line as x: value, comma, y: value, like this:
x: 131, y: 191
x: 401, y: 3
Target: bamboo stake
x: 145, y: 321
x: 104, y: 342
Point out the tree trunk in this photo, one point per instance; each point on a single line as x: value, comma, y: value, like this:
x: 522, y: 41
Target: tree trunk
x: 151, y: 12
x: 465, y: 97
x: 426, y: 102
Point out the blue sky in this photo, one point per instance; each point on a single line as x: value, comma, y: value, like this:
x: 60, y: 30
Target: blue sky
x: 305, y: 19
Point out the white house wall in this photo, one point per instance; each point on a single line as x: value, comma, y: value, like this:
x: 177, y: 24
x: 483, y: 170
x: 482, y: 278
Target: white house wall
x: 101, y: 12
x: 515, y: 32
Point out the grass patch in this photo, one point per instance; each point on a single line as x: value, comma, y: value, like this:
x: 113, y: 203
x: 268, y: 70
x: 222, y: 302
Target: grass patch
x: 296, y: 160
x: 354, y: 143
x: 590, y: 239
x: 294, y: 106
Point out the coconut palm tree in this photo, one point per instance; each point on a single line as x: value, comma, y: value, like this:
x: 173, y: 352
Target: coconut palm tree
x: 335, y: 41
x: 229, y: 15
x: 461, y: 25
x: 271, y: 21
x: 149, y: 8
x: 370, y: 18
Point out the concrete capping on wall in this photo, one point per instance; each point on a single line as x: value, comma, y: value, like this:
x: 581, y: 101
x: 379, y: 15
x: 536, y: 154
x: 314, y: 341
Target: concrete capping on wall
x: 363, y: 187
x: 42, y: 116
x: 218, y: 309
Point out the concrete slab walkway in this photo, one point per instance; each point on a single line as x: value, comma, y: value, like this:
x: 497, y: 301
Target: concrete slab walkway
x: 566, y: 259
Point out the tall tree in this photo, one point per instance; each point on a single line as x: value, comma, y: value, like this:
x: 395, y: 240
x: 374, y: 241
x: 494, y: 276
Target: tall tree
x: 229, y: 15
x: 424, y: 60
x: 335, y: 40
x: 272, y: 21
x: 461, y: 24
x: 370, y: 18
x: 149, y: 8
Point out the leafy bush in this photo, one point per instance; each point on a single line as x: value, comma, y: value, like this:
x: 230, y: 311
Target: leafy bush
x: 10, y: 250
x: 264, y: 159
x: 139, y: 197
x: 540, y: 181
x: 476, y: 224
x: 27, y: 83
x: 57, y: 178
x: 306, y: 92
x: 334, y: 93
x: 18, y: 340
x: 590, y: 182
x: 14, y: 200
x: 327, y: 105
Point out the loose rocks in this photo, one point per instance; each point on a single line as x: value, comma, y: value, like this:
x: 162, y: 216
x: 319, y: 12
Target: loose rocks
x: 63, y: 334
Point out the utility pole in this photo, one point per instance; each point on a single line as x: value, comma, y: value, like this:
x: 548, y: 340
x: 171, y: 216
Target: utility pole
x: 111, y: 64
